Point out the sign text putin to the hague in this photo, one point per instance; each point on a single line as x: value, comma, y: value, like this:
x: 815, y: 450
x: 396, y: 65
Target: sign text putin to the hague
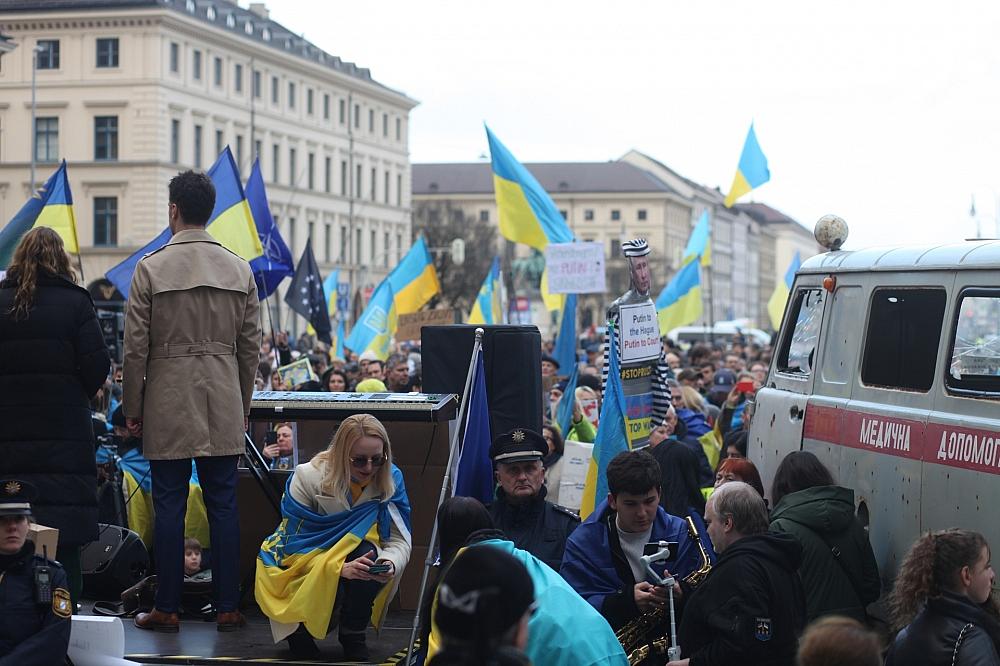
x: 575, y: 268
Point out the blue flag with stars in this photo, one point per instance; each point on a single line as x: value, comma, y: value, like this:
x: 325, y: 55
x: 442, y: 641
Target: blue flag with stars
x: 305, y: 294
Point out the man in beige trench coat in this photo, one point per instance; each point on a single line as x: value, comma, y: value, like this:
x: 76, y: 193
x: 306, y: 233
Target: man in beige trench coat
x: 191, y: 345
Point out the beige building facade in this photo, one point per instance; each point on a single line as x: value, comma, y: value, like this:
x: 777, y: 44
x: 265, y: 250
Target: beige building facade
x: 130, y: 95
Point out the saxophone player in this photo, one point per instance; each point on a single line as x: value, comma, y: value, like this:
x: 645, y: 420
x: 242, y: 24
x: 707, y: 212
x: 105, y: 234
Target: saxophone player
x: 602, y: 560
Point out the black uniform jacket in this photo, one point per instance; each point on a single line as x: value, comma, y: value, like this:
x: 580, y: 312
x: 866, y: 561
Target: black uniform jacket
x: 539, y: 527
x: 31, y: 634
x: 750, y: 609
x: 933, y: 634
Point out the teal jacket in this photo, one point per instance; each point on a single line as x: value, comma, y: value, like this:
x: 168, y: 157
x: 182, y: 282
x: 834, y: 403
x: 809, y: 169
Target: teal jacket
x: 838, y: 570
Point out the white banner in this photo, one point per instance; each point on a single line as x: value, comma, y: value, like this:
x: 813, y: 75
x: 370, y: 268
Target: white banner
x: 575, y: 268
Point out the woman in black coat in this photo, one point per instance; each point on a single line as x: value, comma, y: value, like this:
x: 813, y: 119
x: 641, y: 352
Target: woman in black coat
x: 52, y: 361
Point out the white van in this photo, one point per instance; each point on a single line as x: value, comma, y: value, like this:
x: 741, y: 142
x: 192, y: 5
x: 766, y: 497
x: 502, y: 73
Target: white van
x: 685, y: 336
x: 887, y: 367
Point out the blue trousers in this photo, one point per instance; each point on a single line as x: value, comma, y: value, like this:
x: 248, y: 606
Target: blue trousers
x: 217, y: 476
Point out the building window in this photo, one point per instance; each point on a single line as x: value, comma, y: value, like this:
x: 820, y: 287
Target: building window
x: 904, y: 329
x: 230, y: 20
x: 614, y: 249
x: 239, y: 151
x: 291, y: 94
x: 106, y: 138
x: 256, y: 149
x: 343, y: 178
x: 248, y: 27
x: 219, y: 142
x: 274, y: 90
x: 641, y: 214
x: 105, y: 221
x: 343, y: 245
x: 175, y: 141
x: 357, y: 116
x: 385, y: 124
x: 197, y: 146
x: 175, y: 57
x: 196, y: 65
x: 210, y: 13
x: 326, y: 106
x: 238, y: 78
x: 309, y: 101
x: 385, y: 192
x: 371, y: 120
x: 484, y: 216
x: 275, y: 160
x: 291, y: 167
x: 357, y: 185
x: 291, y: 234
x: 311, y: 167
x: 399, y: 248
x: 107, y: 52
x: 341, y: 105
x: 616, y: 215
x: 588, y: 215
x: 47, y: 56
x: 374, y: 182
x: 217, y: 67
x: 256, y: 84
x: 46, y: 139
x: 327, y: 176
x: 371, y: 246
x: 399, y: 189
x: 327, y: 242
x: 385, y: 249
x: 399, y: 129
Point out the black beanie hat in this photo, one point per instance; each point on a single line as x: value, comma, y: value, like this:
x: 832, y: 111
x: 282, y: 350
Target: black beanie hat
x: 482, y: 595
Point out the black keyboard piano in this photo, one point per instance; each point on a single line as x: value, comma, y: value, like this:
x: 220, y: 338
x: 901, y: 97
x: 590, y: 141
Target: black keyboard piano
x: 387, y: 407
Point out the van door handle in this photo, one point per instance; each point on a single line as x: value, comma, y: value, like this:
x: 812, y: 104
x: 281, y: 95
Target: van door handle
x: 795, y: 413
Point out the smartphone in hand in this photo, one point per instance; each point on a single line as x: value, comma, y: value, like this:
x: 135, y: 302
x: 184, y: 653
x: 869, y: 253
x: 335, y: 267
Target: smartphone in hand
x: 377, y: 569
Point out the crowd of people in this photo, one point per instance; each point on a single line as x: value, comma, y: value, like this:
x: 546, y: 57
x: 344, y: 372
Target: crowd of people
x: 687, y: 541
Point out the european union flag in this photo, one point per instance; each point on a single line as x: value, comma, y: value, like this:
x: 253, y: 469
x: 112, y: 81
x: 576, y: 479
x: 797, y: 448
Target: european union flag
x: 305, y: 294
x: 276, y: 264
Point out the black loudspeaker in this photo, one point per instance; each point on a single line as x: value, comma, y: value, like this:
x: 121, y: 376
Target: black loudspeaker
x: 112, y: 564
x: 512, y: 356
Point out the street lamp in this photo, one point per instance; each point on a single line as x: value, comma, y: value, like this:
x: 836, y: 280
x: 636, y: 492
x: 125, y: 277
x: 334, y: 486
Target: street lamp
x: 33, y: 139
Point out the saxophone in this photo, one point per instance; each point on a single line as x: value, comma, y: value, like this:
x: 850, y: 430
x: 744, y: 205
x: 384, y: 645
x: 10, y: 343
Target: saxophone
x: 633, y: 635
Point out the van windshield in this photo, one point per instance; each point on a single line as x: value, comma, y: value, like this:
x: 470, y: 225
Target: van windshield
x: 975, y: 354
x: 798, y: 351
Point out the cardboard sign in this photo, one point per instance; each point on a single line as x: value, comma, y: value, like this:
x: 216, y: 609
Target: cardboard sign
x: 409, y: 325
x: 640, y: 332
x: 576, y: 461
x: 44, y: 536
x: 575, y: 268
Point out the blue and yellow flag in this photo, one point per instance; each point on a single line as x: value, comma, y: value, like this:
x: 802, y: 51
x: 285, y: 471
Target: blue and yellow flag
x: 298, y: 567
x: 700, y: 242
x: 611, y: 433
x: 337, y: 348
x: 414, y: 281
x: 679, y: 304
x: 752, y: 170
x: 231, y: 223
x: 376, y: 325
x: 276, y: 263
x: 51, y: 206
x: 566, y: 342
x: 779, y: 297
x: 527, y: 213
x: 487, y: 308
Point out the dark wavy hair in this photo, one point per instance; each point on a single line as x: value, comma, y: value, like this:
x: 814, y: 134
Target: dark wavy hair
x: 797, y: 471
x: 41, y: 251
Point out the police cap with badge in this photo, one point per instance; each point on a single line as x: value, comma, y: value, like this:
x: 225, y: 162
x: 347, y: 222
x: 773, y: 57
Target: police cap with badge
x: 16, y: 497
x: 518, y: 445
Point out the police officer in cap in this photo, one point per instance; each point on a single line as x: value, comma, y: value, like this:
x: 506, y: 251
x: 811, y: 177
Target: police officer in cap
x: 521, y: 510
x: 35, y: 607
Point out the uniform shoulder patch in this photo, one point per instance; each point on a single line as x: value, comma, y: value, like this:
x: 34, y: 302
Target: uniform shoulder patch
x: 62, y: 605
x: 566, y: 512
x: 762, y: 629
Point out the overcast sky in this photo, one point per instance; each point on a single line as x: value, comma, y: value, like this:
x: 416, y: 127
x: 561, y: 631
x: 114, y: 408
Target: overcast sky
x: 885, y: 113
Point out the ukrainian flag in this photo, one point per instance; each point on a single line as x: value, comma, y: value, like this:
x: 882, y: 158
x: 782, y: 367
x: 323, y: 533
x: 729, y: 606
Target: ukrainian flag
x: 752, y: 170
x: 487, y: 308
x: 338, y: 343
x: 298, y: 567
x: 236, y: 229
x: 51, y: 206
x: 527, y: 213
x: 700, y: 242
x: 611, y: 434
x: 779, y: 297
x: 376, y: 325
x: 414, y: 281
x: 679, y: 303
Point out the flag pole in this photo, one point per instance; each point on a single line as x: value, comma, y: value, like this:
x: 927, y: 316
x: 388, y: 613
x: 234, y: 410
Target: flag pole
x: 446, y: 482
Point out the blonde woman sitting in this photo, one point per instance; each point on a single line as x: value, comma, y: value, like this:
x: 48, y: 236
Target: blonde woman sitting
x: 343, y: 542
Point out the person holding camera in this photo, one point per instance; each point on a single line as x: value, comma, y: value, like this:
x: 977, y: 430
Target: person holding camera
x: 36, y: 608
x: 279, y: 447
x: 344, y: 511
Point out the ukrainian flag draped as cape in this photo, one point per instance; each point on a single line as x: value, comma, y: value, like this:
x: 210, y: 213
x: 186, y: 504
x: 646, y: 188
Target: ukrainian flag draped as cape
x: 298, y: 567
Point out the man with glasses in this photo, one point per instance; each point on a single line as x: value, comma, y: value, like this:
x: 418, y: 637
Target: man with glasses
x: 521, y: 511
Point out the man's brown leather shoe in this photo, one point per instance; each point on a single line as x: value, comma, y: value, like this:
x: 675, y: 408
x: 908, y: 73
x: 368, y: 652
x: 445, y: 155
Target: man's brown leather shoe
x: 157, y: 620
x: 230, y: 621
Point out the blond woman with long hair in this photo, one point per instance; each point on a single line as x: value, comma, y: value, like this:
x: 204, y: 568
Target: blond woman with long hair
x: 53, y: 360
x: 344, y: 542
x: 942, y: 602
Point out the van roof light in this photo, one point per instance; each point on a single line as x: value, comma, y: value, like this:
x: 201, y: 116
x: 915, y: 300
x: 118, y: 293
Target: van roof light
x: 831, y: 232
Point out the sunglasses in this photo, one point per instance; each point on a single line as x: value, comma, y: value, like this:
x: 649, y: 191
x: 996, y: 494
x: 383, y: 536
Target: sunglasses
x: 362, y: 461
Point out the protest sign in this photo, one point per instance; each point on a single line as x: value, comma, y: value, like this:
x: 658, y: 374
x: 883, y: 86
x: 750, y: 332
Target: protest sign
x: 575, y: 268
